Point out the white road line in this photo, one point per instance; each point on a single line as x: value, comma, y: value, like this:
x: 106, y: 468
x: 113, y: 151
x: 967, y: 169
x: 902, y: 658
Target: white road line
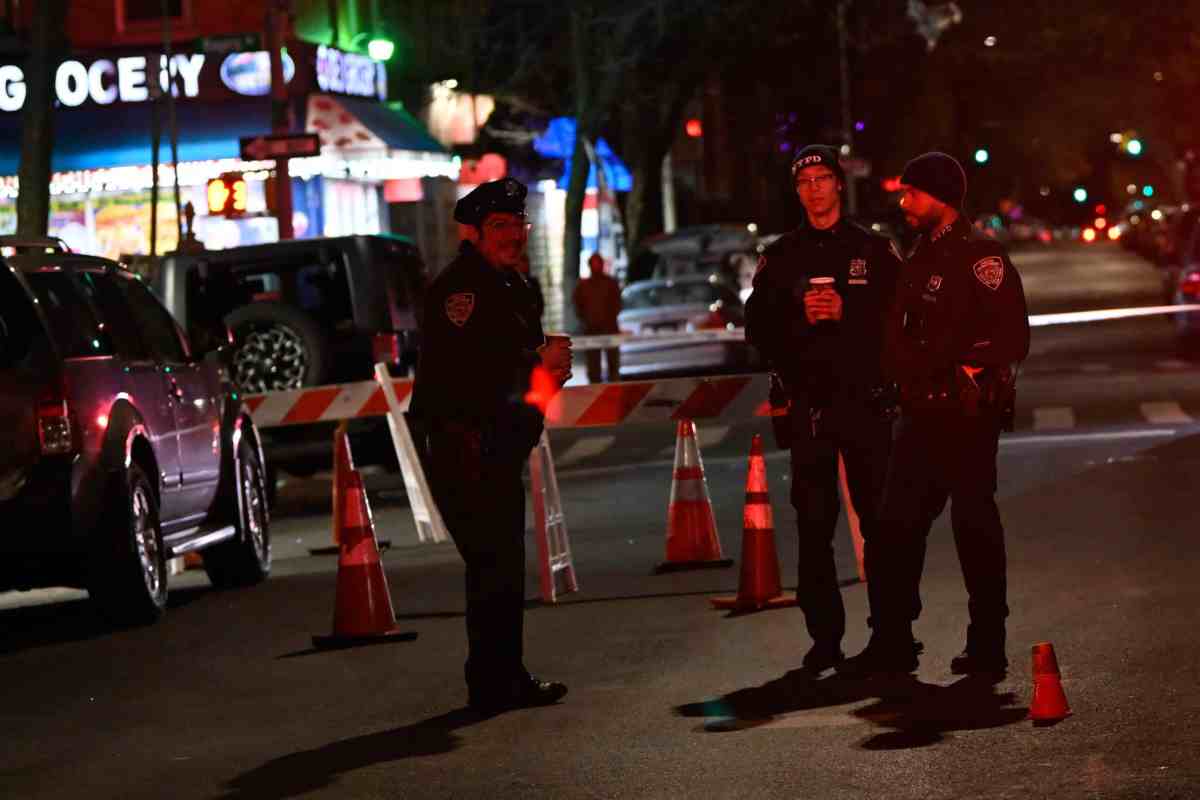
x: 1053, y: 418
x: 584, y: 448
x: 1165, y: 413
x: 1096, y: 368
x: 1069, y: 438
x: 1172, y: 363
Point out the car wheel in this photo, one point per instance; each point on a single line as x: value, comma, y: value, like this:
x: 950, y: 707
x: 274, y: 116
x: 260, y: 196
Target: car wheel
x: 245, y: 559
x: 276, y: 348
x: 128, y: 570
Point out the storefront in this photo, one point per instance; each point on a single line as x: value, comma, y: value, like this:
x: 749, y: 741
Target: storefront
x: 372, y: 150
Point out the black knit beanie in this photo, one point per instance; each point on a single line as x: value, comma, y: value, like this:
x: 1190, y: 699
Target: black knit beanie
x: 939, y: 175
x: 818, y: 155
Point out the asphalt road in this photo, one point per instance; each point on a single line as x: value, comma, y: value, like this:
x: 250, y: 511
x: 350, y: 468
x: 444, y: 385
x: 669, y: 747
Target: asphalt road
x: 669, y: 698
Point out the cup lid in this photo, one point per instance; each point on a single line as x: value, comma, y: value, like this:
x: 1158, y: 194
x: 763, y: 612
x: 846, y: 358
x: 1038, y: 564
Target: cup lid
x: 822, y: 281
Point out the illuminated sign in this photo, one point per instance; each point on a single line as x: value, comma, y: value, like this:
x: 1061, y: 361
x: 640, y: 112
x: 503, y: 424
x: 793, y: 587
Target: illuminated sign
x: 227, y: 195
x: 104, y: 81
x: 350, y: 73
x: 250, y: 73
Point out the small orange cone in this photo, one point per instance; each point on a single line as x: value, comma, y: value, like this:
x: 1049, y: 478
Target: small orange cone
x: 1049, y: 703
x: 362, y: 605
x: 758, y: 586
x: 692, y: 541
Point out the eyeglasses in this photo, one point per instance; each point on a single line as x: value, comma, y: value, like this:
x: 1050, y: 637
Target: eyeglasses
x: 507, y: 226
x: 814, y: 182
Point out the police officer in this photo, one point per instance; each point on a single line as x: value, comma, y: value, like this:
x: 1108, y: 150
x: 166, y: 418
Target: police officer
x: 955, y: 335
x: 824, y: 345
x: 480, y: 345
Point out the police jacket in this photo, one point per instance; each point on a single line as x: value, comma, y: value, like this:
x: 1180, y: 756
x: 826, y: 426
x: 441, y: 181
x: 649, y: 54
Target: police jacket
x: 959, y: 304
x: 829, y: 360
x: 478, y: 347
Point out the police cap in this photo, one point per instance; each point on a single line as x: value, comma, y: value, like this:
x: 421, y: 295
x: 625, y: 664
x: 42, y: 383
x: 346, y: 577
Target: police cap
x: 938, y: 175
x: 505, y: 196
x: 818, y: 155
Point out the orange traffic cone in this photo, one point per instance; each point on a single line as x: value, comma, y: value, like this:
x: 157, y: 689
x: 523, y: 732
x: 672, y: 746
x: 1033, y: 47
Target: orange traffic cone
x: 1049, y: 703
x: 343, y: 467
x: 759, y: 585
x: 692, y: 541
x: 362, y: 606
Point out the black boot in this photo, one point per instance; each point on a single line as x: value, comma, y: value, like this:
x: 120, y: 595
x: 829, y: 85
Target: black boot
x: 884, y: 654
x: 524, y: 692
x: 984, y: 653
x: 821, y: 656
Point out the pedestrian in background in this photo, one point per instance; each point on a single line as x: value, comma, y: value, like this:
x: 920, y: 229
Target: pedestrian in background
x: 597, y: 304
x: 955, y: 336
x: 816, y: 315
x: 480, y: 345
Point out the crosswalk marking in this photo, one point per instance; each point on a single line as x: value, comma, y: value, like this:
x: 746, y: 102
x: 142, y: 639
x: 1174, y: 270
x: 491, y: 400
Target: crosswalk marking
x: 1165, y: 412
x: 1053, y: 418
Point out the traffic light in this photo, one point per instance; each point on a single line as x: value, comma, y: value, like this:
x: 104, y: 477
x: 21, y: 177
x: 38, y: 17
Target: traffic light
x: 1133, y: 147
x: 982, y: 155
x: 1080, y: 194
x: 1148, y: 190
x: 228, y: 195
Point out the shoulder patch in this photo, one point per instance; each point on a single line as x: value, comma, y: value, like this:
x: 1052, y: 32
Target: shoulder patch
x: 459, y: 307
x: 895, y: 249
x: 989, y: 271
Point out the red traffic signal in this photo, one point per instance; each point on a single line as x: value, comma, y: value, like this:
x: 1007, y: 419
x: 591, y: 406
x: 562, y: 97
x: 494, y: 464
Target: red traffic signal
x: 228, y: 195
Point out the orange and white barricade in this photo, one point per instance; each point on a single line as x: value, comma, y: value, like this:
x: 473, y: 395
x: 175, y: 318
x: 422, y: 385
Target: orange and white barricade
x: 550, y: 525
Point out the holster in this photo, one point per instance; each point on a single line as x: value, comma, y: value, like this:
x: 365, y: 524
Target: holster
x: 780, y: 400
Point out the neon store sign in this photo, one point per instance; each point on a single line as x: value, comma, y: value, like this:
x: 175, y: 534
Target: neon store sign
x: 104, y: 81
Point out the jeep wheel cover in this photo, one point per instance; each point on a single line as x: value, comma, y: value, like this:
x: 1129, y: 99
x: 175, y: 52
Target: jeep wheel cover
x: 270, y: 358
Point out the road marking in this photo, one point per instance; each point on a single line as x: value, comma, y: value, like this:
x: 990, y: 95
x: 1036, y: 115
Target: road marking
x: 1095, y: 368
x: 1053, y: 418
x: 1172, y: 363
x: 1165, y: 413
x: 585, y: 448
x: 1068, y: 438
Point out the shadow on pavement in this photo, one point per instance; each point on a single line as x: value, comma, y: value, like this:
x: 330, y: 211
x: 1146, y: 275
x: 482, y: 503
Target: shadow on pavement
x: 796, y: 690
x: 303, y: 772
x: 33, y: 626
x: 919, y: 714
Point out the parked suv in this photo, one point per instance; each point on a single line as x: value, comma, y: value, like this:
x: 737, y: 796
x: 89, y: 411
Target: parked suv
x: 122, y: 445
x: 307, y: 312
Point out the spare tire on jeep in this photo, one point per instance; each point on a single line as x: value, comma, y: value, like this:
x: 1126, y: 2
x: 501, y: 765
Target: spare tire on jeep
x: 276, y: 347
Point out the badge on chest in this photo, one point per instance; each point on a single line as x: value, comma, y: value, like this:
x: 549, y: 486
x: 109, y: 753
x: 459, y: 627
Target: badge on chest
x: 858, y: 271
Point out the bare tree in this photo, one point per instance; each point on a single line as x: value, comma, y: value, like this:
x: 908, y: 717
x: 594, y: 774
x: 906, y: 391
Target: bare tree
x: 37, y: 125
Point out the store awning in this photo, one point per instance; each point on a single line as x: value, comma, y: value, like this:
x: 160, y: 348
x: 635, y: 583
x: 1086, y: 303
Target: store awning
x: 101, y: 137
x: 348, y: 123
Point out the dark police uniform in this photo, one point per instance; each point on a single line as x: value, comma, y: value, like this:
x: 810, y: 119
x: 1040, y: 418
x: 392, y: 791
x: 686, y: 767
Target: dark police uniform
x: 955, y: 336
x: 833, y: 372
x: 478, y: 350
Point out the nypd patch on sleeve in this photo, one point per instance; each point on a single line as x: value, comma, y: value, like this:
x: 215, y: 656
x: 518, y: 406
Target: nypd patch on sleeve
x: 459, y: 307
x: 990, y: 271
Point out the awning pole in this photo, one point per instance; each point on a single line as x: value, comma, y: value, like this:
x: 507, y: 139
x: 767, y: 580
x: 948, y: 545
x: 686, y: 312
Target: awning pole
x: 278, y: 12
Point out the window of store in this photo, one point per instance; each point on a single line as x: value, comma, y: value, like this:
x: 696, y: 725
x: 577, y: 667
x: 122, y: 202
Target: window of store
x: 140, y: 14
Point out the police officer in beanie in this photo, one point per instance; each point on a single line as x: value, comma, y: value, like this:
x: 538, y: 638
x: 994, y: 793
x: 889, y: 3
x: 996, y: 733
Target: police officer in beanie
x: 480, y: 346
x: 823, y: 342
x: 955, y: 336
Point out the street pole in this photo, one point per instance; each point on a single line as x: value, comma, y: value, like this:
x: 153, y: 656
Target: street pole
x: 278, y: 12
x: 172, y: 122
x: 847, y: 128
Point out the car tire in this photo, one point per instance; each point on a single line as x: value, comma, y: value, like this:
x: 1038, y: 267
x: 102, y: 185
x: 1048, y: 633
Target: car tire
x: 245, y: 559
x: 276, y: 348
x: 128, y: 570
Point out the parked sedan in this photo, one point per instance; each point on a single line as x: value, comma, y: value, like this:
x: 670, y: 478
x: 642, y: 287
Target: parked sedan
x: 680, y: 306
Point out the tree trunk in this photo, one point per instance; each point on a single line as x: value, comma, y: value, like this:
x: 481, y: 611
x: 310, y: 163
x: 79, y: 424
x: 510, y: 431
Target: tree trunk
x: 37, y: 118
x: 572, y: 228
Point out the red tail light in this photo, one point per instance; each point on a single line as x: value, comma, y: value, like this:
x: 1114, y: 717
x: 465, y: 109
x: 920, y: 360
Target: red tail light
x: 1190, y: 285
x: 715, y: 320
x: 385, y: 347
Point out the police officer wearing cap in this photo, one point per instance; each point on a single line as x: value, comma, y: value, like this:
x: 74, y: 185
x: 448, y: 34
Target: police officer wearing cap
x: 955, y: 336
x: 480, y: 346
x: 824, y: 345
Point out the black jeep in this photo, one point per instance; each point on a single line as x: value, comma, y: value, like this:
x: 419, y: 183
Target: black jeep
x: 307, y: 312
